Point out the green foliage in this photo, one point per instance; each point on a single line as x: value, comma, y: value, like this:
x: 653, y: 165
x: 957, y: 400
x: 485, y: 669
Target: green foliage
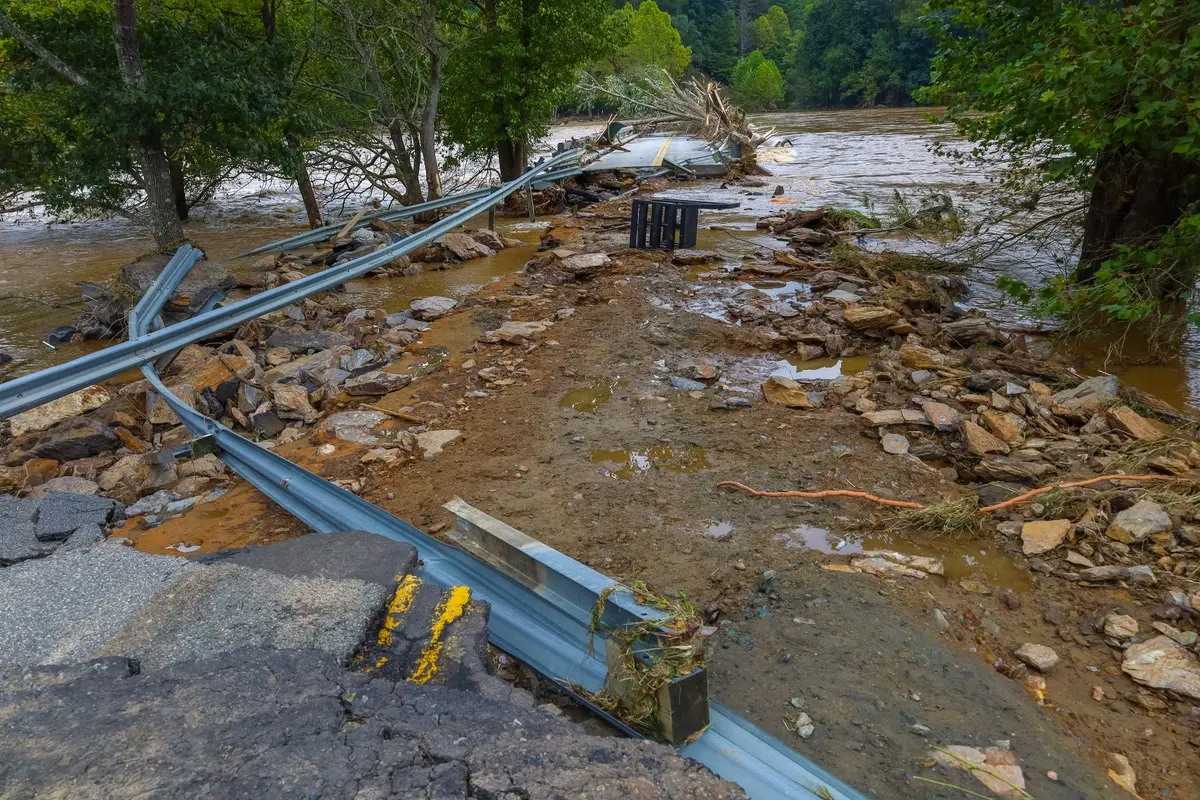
x: 210, y: 99
x: 757, y: 82
x: 1090, y: 100
x: 652, y: 41
x: 773, y: 35
x: 521, y: 58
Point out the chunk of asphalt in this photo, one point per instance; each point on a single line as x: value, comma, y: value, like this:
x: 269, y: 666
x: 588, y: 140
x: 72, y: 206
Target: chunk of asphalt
x: 215, y: 608
x: 60, y: 514
x: 344, y: 555
x: 64, y: 608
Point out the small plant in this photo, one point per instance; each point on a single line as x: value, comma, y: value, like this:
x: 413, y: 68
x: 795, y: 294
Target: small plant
x: 652, y: 653
x: 953, y: 516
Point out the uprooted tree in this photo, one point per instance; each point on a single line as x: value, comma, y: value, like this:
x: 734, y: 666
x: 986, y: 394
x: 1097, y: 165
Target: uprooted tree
x: 1092, y: 106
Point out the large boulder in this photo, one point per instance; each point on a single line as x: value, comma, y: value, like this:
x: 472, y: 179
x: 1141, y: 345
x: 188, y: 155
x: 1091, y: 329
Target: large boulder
x: 376, y: 382
x: 74, y: 439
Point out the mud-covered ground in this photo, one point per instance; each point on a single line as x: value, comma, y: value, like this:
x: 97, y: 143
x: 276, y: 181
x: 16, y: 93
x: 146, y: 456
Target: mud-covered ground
x: 578, y: 439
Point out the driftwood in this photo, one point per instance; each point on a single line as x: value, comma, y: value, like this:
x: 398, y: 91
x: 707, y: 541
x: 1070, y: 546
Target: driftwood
x: 974, y: 330
x: 799, y: 219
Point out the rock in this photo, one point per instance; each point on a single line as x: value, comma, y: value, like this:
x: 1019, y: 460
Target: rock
x: 79, y: 438
x: 1079, y: 560
x: 376, y: 382
x: 920, y: 377
x: 68, y: 484
x: 1038, y: 656
x: 686, y: 384
x: 208, y: 466
x: 301, y: 341
x: 1122, y: 773
x: 1120, y: 626
x: 894, y: 417
x: 48, y: 415
x: 515, y: 332
x: 1088, y: 398
x: 356, y: 426
x: 1107, y: 572
x: 894, y: 443
x: 464, y: 247
x: 942, y: 417
x: 1128, y: 421
x: 995, y: 767
x: 431, y: 443
x: 869, y: 317
x: 585, y: 265
x: 430, y: 308
x: 268, y: 423
x: 291, y: 402
x: 842, y: 296
x: 889, y: 563
x: 1008, y: 427
x: 1138, y: 522
x: 781, y: 309
x: 977, y: 441
x: 787, y: 392
x: 916, y: 357
x: 701, y: 372
x: 1162, y: 664
x: 128, y: 472
x: 1042, y: 537
x: 687, y: 257
x: 380, y: 455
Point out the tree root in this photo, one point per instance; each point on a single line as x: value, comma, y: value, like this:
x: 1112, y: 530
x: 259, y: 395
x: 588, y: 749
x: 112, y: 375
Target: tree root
x: 914, y: 505
x: 883, y: 501
x: 1021, y: 498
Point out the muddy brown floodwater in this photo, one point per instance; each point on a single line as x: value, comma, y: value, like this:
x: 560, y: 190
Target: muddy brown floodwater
x: 850, y: 159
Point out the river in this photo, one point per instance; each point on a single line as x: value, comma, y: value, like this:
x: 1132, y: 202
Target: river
x: 852, y: 159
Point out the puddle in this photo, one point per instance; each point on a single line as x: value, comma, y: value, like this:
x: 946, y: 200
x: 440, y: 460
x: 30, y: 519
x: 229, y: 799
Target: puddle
x: 586, y: 399
x: 810, y: 537
x: 627, y: 463
x: 962, y: 559
x: 778, y: 290
x: 822, y: 369
x: 720, y: 531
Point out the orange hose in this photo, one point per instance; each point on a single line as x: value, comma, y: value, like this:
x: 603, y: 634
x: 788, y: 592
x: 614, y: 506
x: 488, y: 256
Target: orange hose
x: 825, y: 493
x: 1035, y: 492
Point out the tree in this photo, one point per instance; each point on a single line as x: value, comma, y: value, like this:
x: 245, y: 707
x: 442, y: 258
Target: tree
x: 519, y: 58
x: 192, y: 87
x: 757, y: 82
x: 652, y: 41
x: 772, y: 34
x: 1097, y: 100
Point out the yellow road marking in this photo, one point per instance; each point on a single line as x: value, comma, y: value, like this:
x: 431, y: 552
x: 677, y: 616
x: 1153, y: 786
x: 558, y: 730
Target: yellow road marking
x: 662, y: 153
x: 449, y: 610
x: 402, y: 600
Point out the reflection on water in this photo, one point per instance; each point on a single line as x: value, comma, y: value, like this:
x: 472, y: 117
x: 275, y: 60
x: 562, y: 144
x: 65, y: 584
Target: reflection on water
x: 821, y: 369
x: 634, y: 462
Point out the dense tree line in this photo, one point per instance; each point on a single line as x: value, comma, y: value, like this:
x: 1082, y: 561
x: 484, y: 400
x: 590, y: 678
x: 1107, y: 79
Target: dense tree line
x: 828, y: 52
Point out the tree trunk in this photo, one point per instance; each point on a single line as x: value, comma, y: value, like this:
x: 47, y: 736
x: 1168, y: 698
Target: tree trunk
x: 405, y: 170
x: 304, y: 183
x: 1134, y: 201
x: 512, y: 159
x: 178, y: 187
x: 433, y: 175
x: 148, y: 151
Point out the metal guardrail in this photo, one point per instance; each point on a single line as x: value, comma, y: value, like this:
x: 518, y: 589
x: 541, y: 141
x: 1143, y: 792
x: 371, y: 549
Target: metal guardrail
x: 40, y: 387
x: 548, y: 629
x: 327, y: 232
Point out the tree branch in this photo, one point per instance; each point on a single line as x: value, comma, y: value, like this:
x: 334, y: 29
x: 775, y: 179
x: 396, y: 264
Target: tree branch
x: 34, y: 46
